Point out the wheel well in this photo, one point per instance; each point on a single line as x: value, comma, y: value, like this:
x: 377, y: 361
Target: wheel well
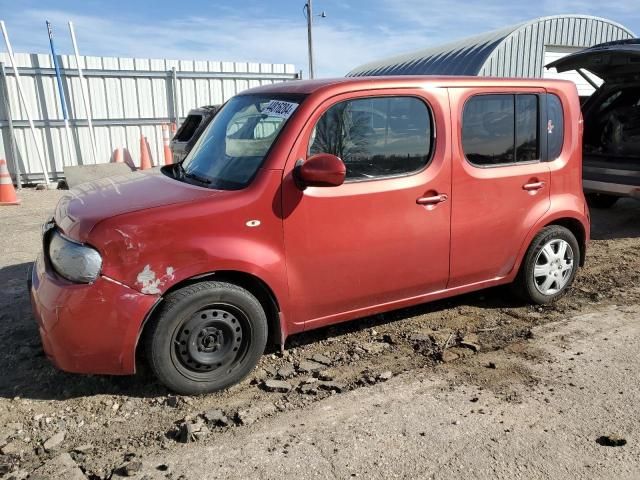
x: 575, y: 227
x: 253, y: 284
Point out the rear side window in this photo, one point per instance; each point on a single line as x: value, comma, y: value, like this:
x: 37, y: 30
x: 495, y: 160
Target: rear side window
x: 376, y: 137
x: 527, y: 122
x: 555, y: 126
x: 501, y: 129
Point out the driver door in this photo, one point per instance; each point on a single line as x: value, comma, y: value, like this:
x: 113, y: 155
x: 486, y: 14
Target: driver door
x: 375, y: 240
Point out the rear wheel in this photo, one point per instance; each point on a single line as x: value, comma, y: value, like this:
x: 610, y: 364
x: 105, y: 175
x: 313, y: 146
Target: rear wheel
x: 549, y: 267
x: 601, y: 200
x: 206, y: 337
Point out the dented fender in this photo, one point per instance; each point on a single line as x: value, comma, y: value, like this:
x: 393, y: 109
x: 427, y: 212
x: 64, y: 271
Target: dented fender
x: 154, y: 250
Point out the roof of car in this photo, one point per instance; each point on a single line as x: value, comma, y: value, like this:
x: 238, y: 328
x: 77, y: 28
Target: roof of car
x: 400, y: 81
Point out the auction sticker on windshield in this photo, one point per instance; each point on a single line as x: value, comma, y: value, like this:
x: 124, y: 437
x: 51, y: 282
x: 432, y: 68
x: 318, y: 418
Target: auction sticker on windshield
x: 279, y: 108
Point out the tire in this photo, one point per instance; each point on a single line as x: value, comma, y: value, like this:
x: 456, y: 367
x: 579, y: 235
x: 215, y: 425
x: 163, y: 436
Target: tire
x: 542, y: 264
x: 601, y: 200
x: 206, y: 337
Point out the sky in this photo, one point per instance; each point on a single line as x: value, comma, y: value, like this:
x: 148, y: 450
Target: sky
x: 353, y: 32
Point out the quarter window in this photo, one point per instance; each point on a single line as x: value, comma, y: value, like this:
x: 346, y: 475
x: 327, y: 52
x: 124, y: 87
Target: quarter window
x: 501, y: 129
x: 376, y: 137
x: 555, y: 126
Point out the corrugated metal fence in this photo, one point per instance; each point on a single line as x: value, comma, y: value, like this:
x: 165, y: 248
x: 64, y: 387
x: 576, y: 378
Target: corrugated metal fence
x: 128, y: 97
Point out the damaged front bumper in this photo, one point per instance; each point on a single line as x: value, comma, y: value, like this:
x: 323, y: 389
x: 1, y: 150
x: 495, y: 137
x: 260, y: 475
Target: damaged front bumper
x: 88, y: 328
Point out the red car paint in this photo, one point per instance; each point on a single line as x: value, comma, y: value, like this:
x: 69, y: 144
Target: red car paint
x: 326, y: 254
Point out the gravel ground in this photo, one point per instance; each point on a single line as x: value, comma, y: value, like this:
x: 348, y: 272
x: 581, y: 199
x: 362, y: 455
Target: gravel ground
x: 57, y: 424
x: 429, y: 424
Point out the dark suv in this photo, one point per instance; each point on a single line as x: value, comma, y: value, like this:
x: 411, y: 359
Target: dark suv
x: 191, y: 129
x: 611, y: 167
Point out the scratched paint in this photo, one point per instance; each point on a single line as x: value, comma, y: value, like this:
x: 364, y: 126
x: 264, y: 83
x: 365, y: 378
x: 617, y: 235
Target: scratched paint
x: 128, y: 242
x: 150, y: 283
x: 169, y: 273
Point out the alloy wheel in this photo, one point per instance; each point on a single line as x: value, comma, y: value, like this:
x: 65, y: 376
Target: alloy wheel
x: 553, y: 267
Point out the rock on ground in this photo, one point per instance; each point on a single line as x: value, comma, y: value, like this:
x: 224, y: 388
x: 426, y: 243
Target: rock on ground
x: 54, y: 442
x: 309, y: 366
x: 286, y: 372
x: 277, y: 386
x: 61, y: 467
x: 322, y: 359
x: 216, y: 418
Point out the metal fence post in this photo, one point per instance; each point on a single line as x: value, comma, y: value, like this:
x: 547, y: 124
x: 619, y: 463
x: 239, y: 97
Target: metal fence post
x: 171, y: 103
x: 25, y: 104
x: 4, y: 93
x: 174, y: 85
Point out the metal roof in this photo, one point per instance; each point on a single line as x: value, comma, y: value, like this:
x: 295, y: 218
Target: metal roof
x: 515, y: 51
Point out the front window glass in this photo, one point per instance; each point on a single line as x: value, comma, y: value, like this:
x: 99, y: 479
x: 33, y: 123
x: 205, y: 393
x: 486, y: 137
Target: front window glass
x: 233, y: 147
x: 376, y: 137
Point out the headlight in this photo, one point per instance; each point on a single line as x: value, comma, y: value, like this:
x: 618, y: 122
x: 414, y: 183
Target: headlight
x: 74, y: 261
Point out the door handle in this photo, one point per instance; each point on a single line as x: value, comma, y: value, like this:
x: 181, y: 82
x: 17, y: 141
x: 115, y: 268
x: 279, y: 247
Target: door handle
x: 530, y: 187
x: 434, y: 200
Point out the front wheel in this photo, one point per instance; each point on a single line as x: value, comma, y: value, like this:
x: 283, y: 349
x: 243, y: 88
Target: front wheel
x: 549, y: 267
x: 206, y: 337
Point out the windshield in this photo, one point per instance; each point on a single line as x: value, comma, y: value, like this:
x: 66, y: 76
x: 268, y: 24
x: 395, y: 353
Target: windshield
x: 234, y: 145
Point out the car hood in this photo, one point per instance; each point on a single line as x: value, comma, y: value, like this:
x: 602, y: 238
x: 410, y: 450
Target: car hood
x: 84, y: 206
x: 609, y: 61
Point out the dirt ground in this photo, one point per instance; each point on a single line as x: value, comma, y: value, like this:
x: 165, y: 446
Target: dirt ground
x: 426, y: 424
x: 54, y: 424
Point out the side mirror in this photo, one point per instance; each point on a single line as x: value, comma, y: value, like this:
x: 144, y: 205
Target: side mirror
x: 320, y: 170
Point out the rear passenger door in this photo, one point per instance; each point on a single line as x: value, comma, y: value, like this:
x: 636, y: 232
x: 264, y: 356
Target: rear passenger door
x: 500, y: 182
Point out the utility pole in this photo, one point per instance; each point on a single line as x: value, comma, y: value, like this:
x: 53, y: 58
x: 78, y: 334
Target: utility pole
x: 309, y: 9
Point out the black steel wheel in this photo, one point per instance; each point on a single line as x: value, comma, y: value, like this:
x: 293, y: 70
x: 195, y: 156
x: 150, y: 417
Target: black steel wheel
x: 206, y: 337
x: 211, y: 339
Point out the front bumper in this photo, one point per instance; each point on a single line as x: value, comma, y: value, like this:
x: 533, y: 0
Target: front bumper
x: 88, y: 328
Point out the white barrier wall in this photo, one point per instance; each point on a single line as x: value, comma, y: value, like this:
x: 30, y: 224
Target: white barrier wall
x: 127, y: 97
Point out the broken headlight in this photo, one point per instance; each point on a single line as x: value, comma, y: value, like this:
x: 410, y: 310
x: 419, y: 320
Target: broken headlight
x: 74, y: 261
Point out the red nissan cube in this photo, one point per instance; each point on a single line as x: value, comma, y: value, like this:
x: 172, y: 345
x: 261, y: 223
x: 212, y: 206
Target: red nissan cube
x: 308, y: 203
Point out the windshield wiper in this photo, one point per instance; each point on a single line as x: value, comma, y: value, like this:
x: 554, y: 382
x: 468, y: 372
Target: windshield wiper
x: 196, y: 177
x: 180, y: 173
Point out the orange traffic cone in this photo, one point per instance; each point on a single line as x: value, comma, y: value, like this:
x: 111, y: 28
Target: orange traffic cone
x: 168, y: 156
x: 145, y: 157
x: 174, y: 129
x: 7, y: 192
x: 117, y: 155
